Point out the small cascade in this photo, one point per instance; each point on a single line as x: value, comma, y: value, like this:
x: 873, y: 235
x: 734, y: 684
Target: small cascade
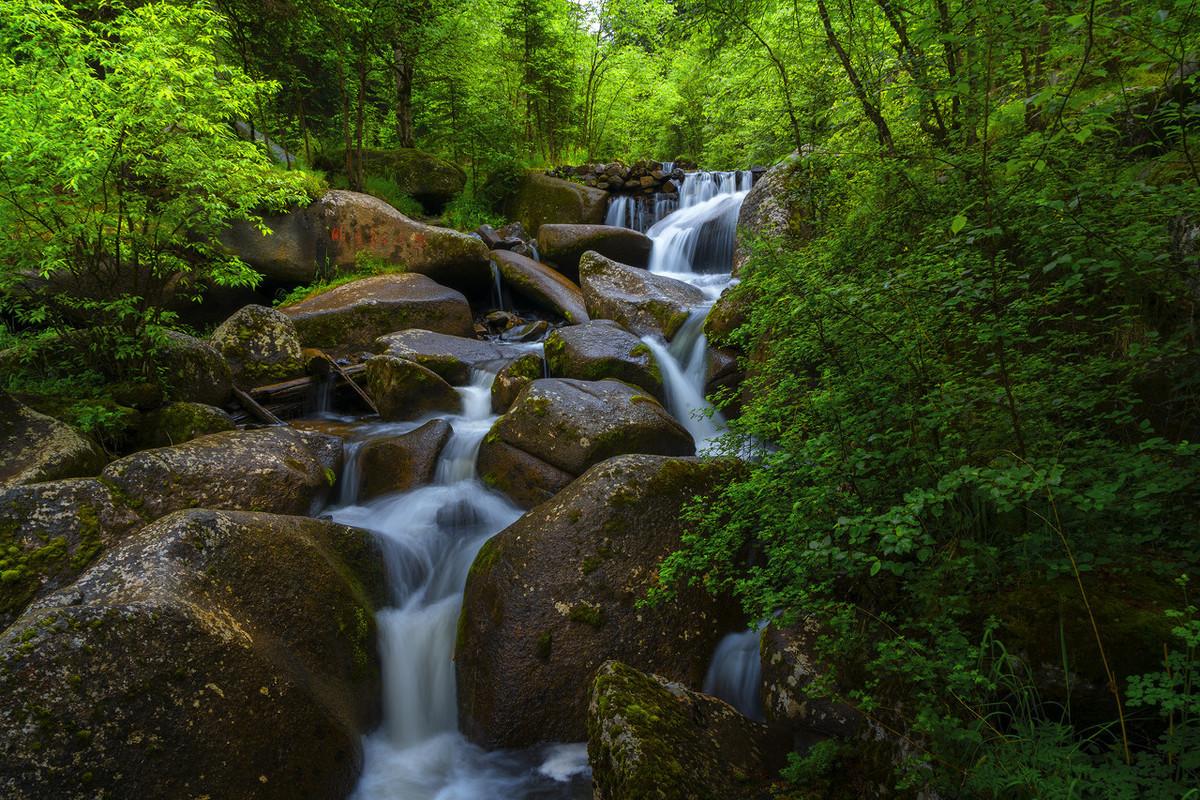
x: 319, y: 402
x: 684, y: 366
x: 735, y: 674
x: 497, y: 287
x: 700, y: 236
x: 640, y: 212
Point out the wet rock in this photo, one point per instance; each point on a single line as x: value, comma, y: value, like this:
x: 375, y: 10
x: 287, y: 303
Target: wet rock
x: 775, y: 209
x: 554, y: 595
x: 539, y: 199
x: 513, y: 378
x: 401, y: 463
x: 649, y: 737
x: 640, y: 301
x: 541, y: 285
x: 431, y: 181
x: 529, y: 332
x: 790, y: 664
x: 261, y: 345
x: 193, y: 370
x: 603, y: 349
x: 729, y: 313
x: 327, y: 238
x: 278, y: 470
x: 176, y: 423
x: 451, y: 357
x: 215, y: 654
x: 353, y: 315
x: 404, y: 389
x: 564, y: 245
x: 525, y: 479
x: 35, y: 447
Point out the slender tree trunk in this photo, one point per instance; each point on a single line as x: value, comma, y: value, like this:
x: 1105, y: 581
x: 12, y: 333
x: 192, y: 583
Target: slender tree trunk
x: 869, y: 108
x: 403, y: 63
x: 356, y: 179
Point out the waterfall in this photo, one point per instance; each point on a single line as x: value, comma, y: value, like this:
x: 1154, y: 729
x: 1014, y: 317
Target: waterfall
x: 684, y: 366
x: 497, y: 286
x: 429, y: 538
x: 640, y: 212
x: 735, y: 674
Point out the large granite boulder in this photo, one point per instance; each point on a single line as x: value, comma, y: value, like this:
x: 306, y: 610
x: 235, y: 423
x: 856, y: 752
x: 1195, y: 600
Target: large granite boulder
x: 603, y: 349
x: 352, y: 316
x: 193, y: 370
x: 539, y: 284
x: 431, y: 181
x: 776, y: 208
x: 557, y: 428
x: 791, y: 664
x: 512, y: 379
x: 214, y: 654
x: 539, y: 199
x: 649, y: 737
x: 451, y: 357
x: 400, y: 463
x: 35, y: 447
x: 261, y: 345
x: 564, y: 245
x: 326, y: 239
x: 555, y: 595
x: 176, y: 423
x: 642, y: 302
x: 404, y: 389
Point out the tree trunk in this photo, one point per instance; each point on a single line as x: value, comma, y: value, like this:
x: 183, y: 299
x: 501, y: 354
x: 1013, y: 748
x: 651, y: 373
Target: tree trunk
x: 869, y: 108
x: 403, y: 62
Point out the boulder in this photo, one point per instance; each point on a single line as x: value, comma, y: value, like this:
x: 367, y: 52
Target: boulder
x: 729, y: 313
x: 400, y: 463
x: 352, y: 316
x: 278, y: 470
x: 261, y: 345
x: 564, y: 245
x: 603, y: 349
x: 775, y: 209
x: 790, y: 664
x: 431, y: 181
x: 49, y: 532
x: 326, y: 239
x: 451, y: 357
x: 214, y: 654
x: 176, y: 423
x: 649, y: 737
x: 642, y: 302
x: 572, y: 425
x: 193, y: 370
x: 523, y: 478
x: 35, y: 447
x: 555, y: 595
x: 541, y: 285
x: 513, y: 378
x: 539, y: 199
x: 404, y: 389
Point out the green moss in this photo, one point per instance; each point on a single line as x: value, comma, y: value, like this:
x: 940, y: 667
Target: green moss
x: 587, y: 613
x: 591, y: 564
x: 543, y: 645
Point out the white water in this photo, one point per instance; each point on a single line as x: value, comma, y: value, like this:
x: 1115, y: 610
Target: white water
x: 684, y: 366
x: 429, y: 538
x: 735, y: 674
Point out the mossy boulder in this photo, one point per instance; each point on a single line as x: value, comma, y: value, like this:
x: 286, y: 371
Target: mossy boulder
x: 176, y: 423
x: 261, y: 345
x: 650, y: 738
x: 329, y: 238
x: 571, y: 425
x: 523, y: 478
x: 193, y: 370
x: 513, y: 378
x: 729, y: 313
x: 35, y: 447
x: 564, y: 245
x: 431, y: 181
x: 640, y: 301
x: 214, y: 654
x: 404, y: 462
x: 451, y: 357
x: 554, y: 595
x: 278, y: 470
x: 352, y: 316
x: 538, y: 199
x: 404, y: 389
x: 776, y: 209
x: 603, y: 349
x: 792, y: 663
x: 539, y: 284
x: 50, y: 532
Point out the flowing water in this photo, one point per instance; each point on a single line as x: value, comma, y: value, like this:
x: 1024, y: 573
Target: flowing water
x: 735, y: 674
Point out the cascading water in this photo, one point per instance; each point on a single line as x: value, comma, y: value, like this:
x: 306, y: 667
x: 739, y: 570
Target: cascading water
x: 684, y: 365
x: 640, y: 212
x: 429, y: 537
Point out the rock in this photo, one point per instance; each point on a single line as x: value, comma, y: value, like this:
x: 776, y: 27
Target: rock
x: 137, y: 394
x: 729, y: 313
x: 401, y: 463
x: 404, y: 389
x: 35, y: 447
x: 193, y: 370
x: 725, y: 374
x: 529, y: 332
x: 261, y: 345
x: 513, y: 378
x: 554, y: 595
x: 649, y: 737
x: 775, y: 208
x: 541, y: 285
x: 643, y: 303
x: 326, y: 238
x: 524, y: 479
x: 277, y: 470
x: 564, y: 245
x: 539, y: 199
x: 451, y: 357
x: 176, y: 423
x: 176, y: 664
x: 49, y: 532
x: 790, y: 663
x: 353, y: 315
x: 431, y: 181
x: 603, y: 349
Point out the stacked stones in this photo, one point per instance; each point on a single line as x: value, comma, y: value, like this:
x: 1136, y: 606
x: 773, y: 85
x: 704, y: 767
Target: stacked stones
x: 642, y: 177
